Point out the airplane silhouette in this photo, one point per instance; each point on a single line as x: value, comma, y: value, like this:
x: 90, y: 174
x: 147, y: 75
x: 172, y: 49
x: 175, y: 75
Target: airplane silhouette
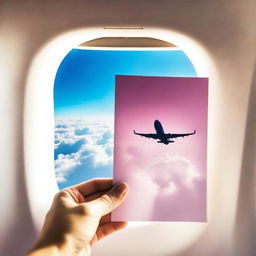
x: 161, y: 136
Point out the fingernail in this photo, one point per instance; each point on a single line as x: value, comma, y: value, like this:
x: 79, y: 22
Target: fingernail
x: 120, y: 189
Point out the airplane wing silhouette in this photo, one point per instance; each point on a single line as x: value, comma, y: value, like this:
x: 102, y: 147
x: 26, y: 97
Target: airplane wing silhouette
x: 176, y: 135
x: 147, y: 135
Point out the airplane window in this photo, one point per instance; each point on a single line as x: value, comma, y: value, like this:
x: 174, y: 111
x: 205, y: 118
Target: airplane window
x: 84, y: 105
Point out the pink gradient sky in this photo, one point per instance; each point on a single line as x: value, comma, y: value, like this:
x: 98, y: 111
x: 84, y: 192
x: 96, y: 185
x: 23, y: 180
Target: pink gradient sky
x: 167, y: 182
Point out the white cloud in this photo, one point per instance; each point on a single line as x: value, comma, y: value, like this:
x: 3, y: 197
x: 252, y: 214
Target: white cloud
x: 82, y: 145
x: 175, y: 169
x: 166, y: 175
x: 170, y: 186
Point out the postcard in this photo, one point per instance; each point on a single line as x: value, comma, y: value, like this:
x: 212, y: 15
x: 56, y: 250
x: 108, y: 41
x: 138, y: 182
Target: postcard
x: 160, y: 147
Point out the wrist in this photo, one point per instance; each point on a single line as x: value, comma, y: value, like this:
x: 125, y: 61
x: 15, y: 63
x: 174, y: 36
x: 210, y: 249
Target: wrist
x: 66, y: 246
x: 51, y: 250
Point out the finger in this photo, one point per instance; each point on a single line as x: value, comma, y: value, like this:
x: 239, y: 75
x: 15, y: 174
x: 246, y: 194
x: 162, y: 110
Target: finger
x: 94, y: 185
x: 74, y: 194
x: 107, y: 229
x: 105, y: 219
x: 94, y: 196
x: 109, y: 201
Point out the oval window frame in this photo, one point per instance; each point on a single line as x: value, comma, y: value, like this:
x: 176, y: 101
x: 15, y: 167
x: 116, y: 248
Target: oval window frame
x: 39, y: 114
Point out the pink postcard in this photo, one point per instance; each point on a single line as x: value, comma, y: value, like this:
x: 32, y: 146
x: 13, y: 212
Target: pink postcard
x: 160, y: 148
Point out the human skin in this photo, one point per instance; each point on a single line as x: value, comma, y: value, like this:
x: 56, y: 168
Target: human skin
x: 79, y: 217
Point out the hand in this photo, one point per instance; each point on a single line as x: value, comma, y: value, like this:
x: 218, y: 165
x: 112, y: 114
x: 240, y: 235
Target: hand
x: 79, y: 217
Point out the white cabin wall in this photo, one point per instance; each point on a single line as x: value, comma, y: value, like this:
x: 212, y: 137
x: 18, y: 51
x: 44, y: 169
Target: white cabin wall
x: 245, y: 228
x: 225, y: 28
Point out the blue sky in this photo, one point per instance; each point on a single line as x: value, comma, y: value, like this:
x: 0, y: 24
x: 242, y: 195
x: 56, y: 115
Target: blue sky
x: 84, y: 88
x: 84, y: 83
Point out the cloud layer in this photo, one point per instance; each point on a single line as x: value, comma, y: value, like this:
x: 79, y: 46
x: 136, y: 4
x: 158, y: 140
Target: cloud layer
x: 169, y: 186
x: 83, y: 149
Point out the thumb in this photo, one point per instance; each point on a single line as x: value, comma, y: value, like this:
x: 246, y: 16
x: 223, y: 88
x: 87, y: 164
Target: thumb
x: 112, y: 199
